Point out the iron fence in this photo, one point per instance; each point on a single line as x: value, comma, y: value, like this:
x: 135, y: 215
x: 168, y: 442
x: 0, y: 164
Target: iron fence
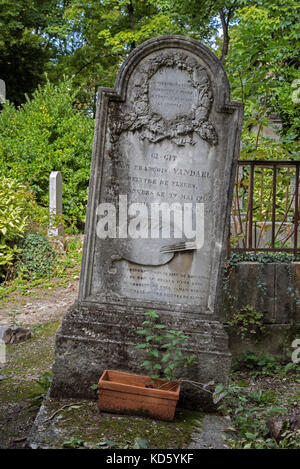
x: 265, y: 211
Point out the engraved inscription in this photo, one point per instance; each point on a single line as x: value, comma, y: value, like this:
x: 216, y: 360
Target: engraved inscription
x: 169, y: 285
x: 171, y: 93
x: 161, y: 174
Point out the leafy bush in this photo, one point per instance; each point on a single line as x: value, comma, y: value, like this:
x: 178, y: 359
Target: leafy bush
x: 17, y: 211
x: 47, y: 133
x: 258, y: 364
x: 247, y: 322
x: 266, y: 364
x: 252, y: 408
x: 163, y: 348
x: 37, y: 256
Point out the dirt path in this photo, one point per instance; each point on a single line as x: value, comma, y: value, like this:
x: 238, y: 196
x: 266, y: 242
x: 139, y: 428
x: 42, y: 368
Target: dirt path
x: 40, y: 307
x: 26, y: 362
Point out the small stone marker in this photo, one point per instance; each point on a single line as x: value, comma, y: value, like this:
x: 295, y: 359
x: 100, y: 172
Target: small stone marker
x: 55, y: 204
x: 166, y: 134
x: 2, y: 91
x: 16, y: 334
x: 3, y: 328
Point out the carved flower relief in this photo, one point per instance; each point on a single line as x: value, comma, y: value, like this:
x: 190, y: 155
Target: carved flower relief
x: 200, y: 113
x: 141, y: 106
x: 151, y: 125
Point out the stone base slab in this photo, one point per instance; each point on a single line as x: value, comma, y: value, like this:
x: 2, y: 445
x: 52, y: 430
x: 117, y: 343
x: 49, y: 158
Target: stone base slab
x: 59, y: 420
x: 93, y: 338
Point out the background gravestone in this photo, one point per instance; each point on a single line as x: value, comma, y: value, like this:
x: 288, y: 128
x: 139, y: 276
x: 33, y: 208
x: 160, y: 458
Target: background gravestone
x: 168, y: 133
x: 2, y: 91
x: 55, y: 204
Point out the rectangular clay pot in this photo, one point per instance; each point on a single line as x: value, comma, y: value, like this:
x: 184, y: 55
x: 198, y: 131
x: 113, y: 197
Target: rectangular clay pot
x: 127, y: 393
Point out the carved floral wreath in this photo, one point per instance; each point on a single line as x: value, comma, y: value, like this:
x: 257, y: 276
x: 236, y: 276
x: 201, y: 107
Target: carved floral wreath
x: 152, y: 125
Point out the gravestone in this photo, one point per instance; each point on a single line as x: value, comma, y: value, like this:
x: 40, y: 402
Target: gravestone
x: 2, y: 352
x: 166, y: 134
x: 2, y: 91
x: 55, y: 204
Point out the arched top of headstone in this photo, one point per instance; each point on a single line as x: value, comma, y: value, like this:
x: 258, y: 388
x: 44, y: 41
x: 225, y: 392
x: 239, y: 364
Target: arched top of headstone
x: 213, y: 66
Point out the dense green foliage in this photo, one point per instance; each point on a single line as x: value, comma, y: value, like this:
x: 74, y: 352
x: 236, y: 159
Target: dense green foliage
x: 17, y: 211
x: 66, y: 266
x: 37, y: 256
x: 48, y: 134
x: 261, y: 400
x: 246, y: 322
x: 87, y: 40
x: 263, y: 61
x: 29, y: 34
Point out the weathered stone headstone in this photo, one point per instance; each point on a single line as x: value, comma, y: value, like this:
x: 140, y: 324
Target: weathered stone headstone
x: 167, y: 133
x: 55, y: 204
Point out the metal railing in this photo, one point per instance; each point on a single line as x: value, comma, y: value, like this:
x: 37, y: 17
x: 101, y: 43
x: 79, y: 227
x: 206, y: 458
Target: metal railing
x: 265, y: 211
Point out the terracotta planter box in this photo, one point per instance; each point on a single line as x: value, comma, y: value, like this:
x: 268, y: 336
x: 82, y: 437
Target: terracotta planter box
x: 127, y: 393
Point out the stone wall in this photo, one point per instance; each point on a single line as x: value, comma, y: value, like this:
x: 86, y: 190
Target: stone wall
x: 272, y: 289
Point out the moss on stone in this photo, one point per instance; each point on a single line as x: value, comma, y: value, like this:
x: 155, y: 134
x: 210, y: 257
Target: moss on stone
x: 26, y: 362
x: 83, y: 421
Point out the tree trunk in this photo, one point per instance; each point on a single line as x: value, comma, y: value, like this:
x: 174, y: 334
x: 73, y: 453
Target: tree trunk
x: 226, y: 38
x: 131, y: 19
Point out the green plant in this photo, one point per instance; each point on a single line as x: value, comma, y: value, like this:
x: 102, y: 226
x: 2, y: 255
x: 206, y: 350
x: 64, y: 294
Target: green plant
x: 73, y: 443
x: 293, y: 369
x: 37, y: 257
x: 250, y: 413
x: 67, y: 269
x: 43, y: 383
x: 265, y: 364
x: 246, y: 322
x: 94, y: 387
x: 139, y: 443
x: 76, y: 443
x: 262, y: 75
x: 163, y: 348
x: 18, y: 210
x: 48, y: 133
x: 257, y: 404
x: 39, y: 327
x: 13, y: 320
